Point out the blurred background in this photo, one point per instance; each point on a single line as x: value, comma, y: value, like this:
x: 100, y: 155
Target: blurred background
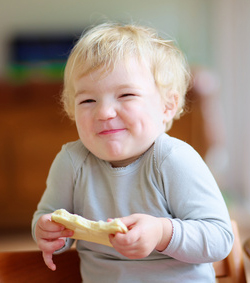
x: 35, y: 40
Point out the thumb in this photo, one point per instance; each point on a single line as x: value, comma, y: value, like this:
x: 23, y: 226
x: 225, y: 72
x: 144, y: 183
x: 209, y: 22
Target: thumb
x: 132, y: 236
x: 130, y: 221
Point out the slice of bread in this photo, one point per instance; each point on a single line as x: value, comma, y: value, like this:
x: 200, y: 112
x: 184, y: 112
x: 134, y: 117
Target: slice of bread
x: 88, y: 230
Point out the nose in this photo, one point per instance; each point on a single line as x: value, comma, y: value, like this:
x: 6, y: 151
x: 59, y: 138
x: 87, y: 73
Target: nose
x: 106, y: 111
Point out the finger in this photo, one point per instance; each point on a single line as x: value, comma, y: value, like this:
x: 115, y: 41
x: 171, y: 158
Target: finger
x: 55, y: 235
x: 125, y: 240
x: 52, y: 236
x: 128, y: 250
x: 129, y: 221
x: 45, y: 225
x: 48, y: 225
x: 47, y: 257
x: 51, y: 246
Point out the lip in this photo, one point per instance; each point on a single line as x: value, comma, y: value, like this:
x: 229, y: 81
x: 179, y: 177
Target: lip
x: 111, y: 132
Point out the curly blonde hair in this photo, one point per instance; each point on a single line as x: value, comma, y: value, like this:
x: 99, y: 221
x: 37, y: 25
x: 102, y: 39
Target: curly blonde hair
x: 106, y: 44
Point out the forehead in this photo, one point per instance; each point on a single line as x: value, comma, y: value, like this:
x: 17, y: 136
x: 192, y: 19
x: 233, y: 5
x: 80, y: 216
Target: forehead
x: 126, y: 73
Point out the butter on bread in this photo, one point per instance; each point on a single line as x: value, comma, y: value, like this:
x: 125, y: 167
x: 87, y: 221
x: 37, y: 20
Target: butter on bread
x: 88, y: 230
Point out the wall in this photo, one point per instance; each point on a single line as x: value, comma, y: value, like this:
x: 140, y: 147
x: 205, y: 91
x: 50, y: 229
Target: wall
x: 231, y: 51
x: 212, y: 33
x: 177, y: 18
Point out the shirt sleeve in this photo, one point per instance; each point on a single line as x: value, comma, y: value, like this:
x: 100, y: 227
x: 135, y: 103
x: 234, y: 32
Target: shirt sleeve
x: 202, y: 229
x: 59, y: 188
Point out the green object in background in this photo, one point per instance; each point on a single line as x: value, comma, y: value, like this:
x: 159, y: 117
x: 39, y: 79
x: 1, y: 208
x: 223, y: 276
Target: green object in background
x: 36, y: 71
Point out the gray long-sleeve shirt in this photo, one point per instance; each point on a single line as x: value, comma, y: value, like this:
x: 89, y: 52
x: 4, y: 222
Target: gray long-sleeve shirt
x: 169, y: 180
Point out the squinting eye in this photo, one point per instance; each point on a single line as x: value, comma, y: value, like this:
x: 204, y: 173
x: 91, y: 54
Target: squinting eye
x: 87, y: 101
x: 127, y: 94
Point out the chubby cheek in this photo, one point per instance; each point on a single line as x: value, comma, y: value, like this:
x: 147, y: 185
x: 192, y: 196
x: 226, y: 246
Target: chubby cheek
x: 145, y: 121
x: 133, y: 120
x: 82, y: 125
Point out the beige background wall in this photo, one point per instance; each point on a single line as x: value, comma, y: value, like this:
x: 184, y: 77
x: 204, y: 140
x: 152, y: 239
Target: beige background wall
x: 187, y: 21
x: 212, y: 33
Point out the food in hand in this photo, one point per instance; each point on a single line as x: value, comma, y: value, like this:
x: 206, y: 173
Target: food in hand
x: 88, y: 230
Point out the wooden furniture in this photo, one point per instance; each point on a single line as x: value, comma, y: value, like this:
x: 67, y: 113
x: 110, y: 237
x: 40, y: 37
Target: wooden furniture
x: 192, y: 126
x: 29, y: 266
x: 231, y: 269
x: 25, y: 267
x: 33, y: 129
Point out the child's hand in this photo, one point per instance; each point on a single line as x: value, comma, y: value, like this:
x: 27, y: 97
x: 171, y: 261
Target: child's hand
x: 145, y: 234
x: 49, y: 236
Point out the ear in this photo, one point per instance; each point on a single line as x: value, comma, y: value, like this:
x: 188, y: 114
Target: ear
x: 170, y: 107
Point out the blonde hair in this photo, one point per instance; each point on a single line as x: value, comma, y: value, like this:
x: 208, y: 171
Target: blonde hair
x: 106, y: 44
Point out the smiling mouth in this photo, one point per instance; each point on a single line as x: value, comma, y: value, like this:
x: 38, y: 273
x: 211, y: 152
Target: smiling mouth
x: 112, y: 131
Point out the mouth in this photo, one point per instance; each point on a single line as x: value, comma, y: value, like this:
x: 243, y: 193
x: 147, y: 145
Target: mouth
x: 111, y: 132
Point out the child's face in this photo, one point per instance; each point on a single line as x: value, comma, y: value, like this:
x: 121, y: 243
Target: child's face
x: 119, y: 115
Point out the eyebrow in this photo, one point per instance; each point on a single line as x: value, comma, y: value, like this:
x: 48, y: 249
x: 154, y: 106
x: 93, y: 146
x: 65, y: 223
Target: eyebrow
x: 128, y: 86
x: 118, y: 87
x: 80, y: 92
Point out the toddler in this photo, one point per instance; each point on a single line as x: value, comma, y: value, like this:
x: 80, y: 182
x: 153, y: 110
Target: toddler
x: 123, y: 87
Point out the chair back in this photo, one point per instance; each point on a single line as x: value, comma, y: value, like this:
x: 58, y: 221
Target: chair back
x: 231, y: 269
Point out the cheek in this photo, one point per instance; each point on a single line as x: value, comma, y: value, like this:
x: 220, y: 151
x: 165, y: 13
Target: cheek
x: 78, y: 120
x: 139, y: 122
x: 132, y: 115
x: 143, y: 114
x: 82, y: 123
x: 154, y: 113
